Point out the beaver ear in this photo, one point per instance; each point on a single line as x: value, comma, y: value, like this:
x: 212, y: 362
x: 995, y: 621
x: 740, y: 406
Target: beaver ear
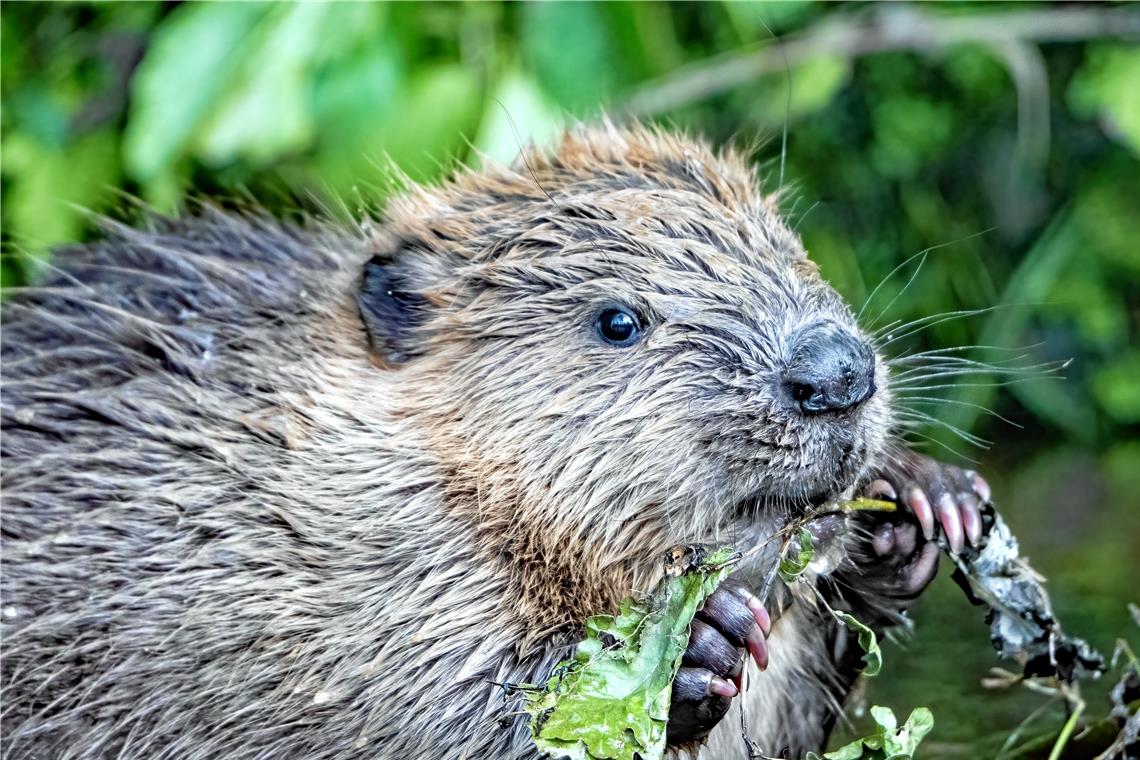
x: 391, y: 310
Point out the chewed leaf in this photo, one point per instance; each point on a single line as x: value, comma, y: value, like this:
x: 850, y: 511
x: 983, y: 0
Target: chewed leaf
x: 611, y: 698
x: 904, y: 742
x: 1022, y: 625
x: 889, y: 741
x: 884, y: 717
x: 868, y: 642
x: 792, y: 566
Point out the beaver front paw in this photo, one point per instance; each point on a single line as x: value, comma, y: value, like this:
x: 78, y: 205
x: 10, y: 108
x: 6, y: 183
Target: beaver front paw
x: 894, y: 561
x: 932, y: 490
x: 732, y: 622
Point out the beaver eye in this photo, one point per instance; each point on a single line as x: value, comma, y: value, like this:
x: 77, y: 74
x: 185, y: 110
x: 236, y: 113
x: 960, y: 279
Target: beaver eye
x: 619, y: 327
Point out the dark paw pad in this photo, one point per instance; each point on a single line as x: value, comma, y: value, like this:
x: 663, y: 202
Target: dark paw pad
x: 898, y: 558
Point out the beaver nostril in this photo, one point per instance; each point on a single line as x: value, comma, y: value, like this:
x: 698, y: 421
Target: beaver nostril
x: 801, y: 391
x: 831, y: 370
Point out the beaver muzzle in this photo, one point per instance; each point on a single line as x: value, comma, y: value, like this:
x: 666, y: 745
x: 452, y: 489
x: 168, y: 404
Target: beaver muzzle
x: 831, y: 370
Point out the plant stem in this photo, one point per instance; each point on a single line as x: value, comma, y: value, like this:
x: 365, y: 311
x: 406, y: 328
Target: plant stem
x: 1067, y: 731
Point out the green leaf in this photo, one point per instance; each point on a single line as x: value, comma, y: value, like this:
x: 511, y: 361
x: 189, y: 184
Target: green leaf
x: 588, y: 76
x: 51, y: 189
x: 432, y: 125
x: 1105, y: 87
x: 884, y: 717
x: 189, y: 66
x: 816, y: 82
x: 265, y: 112
x: 850, y: 751
x: 904, y: 742
x: 611, y: 698
x: 889, y: 741
x: 792, y: 567
x: 1116, y: 388
x: 868, y: 642
x: 517, y: 114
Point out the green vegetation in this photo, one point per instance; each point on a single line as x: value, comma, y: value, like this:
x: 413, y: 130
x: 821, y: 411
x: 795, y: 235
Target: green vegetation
x: 1016, y: 159
x: 610, y: 700
x: 1002, y: 138
x: 890, y: 741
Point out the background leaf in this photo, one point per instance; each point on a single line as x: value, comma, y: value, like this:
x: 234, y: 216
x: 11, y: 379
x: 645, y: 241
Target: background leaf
x: 56, y: 188
x: 1105, y: 87
x: 585, y: 80
x: 191, y: 64
x: 517, y: 99
x: 265, y: 111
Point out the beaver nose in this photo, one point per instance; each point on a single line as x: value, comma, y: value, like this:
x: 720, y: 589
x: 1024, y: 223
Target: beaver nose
x: 831, y: 370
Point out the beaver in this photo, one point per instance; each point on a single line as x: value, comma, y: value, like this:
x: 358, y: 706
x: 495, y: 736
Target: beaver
x: 297, y: 490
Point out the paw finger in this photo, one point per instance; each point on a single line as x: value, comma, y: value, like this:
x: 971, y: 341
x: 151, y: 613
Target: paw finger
x: 740, y: 617
x: 709, y: 650
x: 906, y: 539
x: 921, y: 572
x: 726, y: 603
x: 883, y: 540
x: 951, y: 520
x: 700, y: 700
x: 696, y: 684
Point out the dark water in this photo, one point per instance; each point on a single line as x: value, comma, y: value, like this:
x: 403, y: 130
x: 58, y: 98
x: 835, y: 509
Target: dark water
x: 1077, y: 516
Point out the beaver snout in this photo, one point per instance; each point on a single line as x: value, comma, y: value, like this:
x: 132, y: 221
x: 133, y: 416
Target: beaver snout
x: 831, y: 370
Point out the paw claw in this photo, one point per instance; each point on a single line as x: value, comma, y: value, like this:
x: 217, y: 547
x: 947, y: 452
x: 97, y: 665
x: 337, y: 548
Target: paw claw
x: 760, y: 612
x: 971, y: 518
x: 951, y: 521
x: 722, y: 688
x: 880, y: 489
x: 920, y: 506
x: 758, y: 648
x: 981, y: 487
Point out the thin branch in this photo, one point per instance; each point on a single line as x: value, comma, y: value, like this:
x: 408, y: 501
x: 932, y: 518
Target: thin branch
x: 1026, y: 66
x: 890, y: 28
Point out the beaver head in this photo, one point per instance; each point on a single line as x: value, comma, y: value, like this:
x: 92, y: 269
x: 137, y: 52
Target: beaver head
x: 618, y: 346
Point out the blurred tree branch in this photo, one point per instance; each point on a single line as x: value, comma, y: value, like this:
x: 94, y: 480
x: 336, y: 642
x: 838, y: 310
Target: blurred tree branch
x: 887, y: 28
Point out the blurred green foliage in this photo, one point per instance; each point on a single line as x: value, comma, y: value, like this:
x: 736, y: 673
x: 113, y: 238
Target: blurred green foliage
x: 1017, y: 166
x: 318, y: 105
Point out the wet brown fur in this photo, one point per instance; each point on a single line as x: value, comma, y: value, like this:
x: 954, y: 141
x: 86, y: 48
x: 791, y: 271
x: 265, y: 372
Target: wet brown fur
x: 237, y: 525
